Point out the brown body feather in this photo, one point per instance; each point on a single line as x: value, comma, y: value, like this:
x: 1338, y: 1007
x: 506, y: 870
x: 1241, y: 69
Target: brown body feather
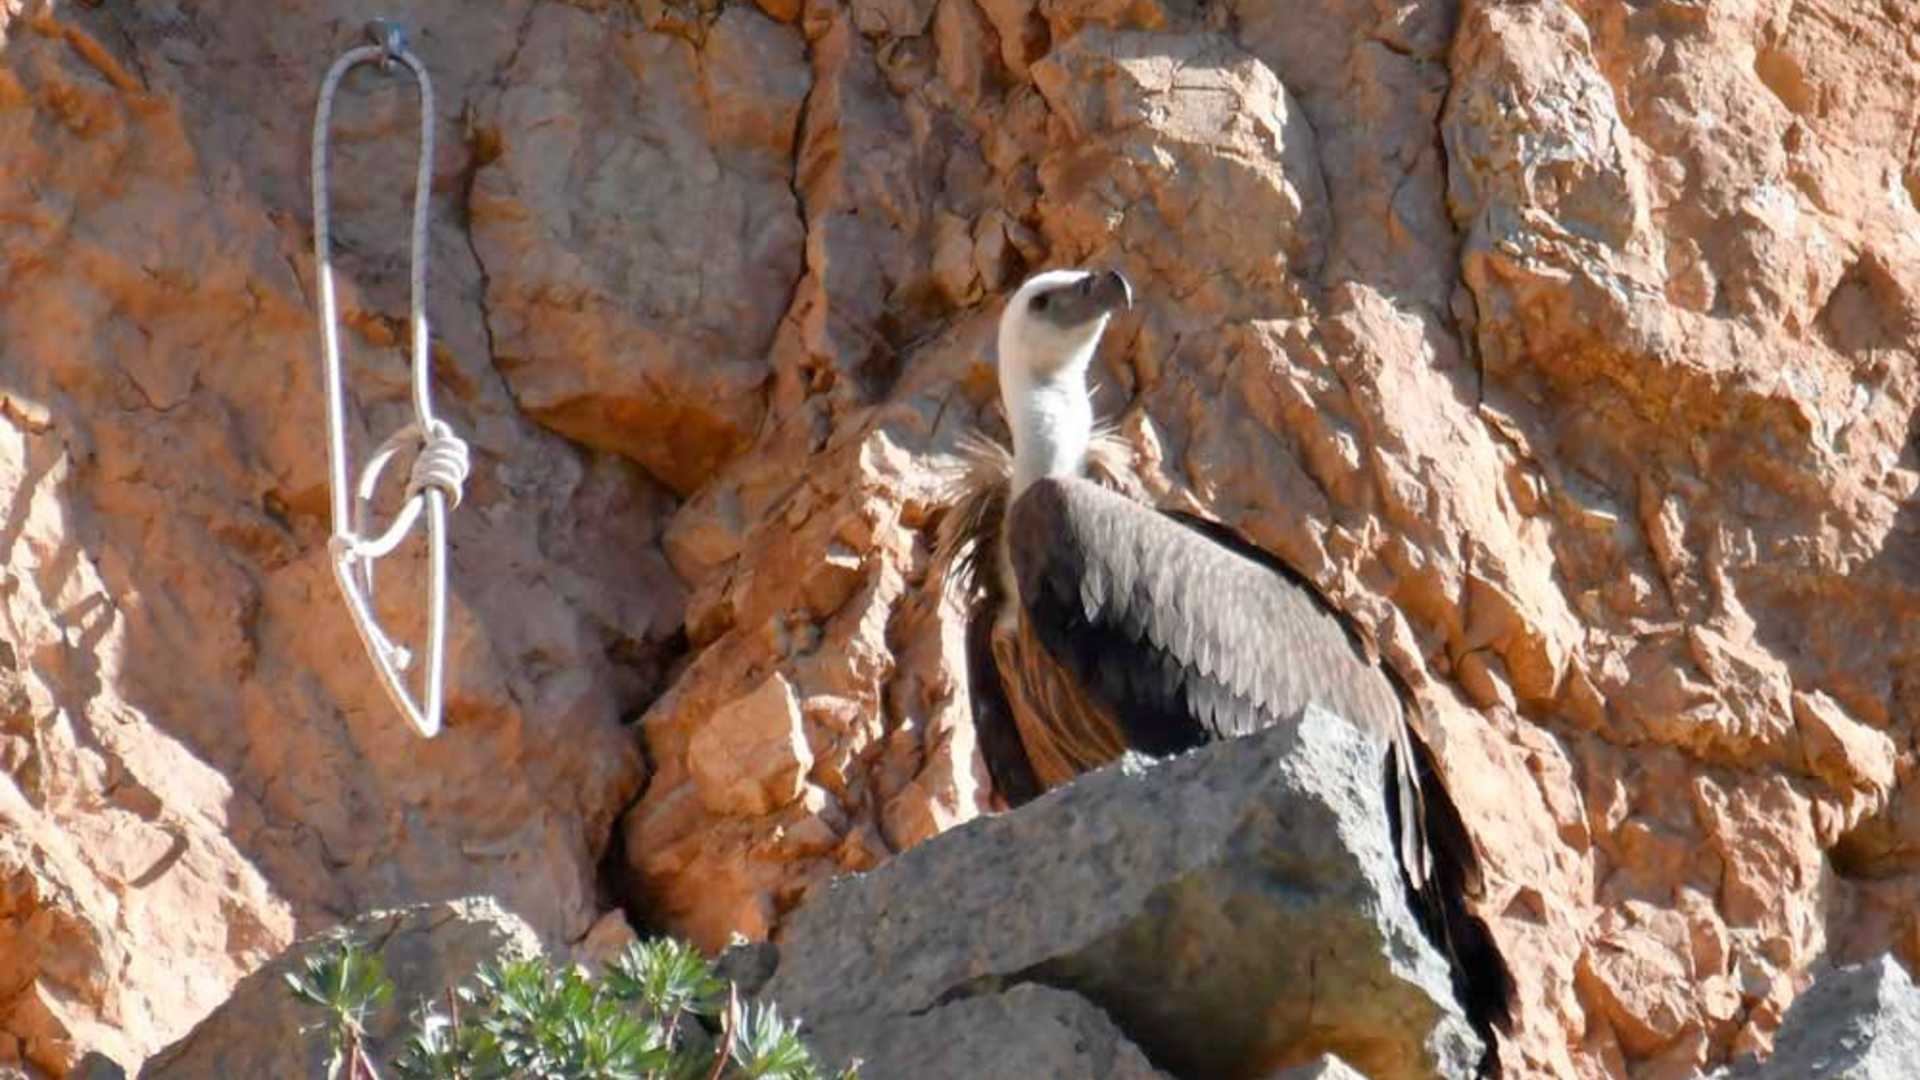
x: 1063, y: 730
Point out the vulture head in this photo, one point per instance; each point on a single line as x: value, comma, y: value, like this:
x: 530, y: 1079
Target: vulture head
x: 1048, y: 333
x: 1052, y: 324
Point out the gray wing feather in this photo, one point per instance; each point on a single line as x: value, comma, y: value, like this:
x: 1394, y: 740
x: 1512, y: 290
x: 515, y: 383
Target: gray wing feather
x: 1250, y: 647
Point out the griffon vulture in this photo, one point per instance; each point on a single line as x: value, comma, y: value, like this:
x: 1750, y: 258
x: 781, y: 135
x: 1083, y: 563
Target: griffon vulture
x: 1097, y: 625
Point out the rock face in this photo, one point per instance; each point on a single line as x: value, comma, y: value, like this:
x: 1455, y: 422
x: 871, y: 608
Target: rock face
x: 198, y: 761
x: 262, y: 1029
x: 1856, y: 1023
x: 1029, y: 1030
x: 635, y: 272
x: 1572, y: 346
x: 1234, y: 910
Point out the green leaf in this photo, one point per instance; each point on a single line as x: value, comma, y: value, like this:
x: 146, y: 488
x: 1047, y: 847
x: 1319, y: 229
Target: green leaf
x: 349, y: 984
x: 769, y: 1048
x: 667, y: 976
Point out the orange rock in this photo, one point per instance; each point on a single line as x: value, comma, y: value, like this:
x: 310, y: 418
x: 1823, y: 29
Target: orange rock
x: 750, y: 756
x: 1573, y: 348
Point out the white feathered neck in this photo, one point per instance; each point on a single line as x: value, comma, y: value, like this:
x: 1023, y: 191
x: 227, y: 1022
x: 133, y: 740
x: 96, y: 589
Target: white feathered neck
x: 1043, y: 386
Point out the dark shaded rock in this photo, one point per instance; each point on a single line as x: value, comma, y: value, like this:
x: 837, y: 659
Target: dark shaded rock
x: 748, y: 965
x: 1234, y: 910
x: 1028, y: 1031
x: 1855, y: 1023
x: 97, y: 1066
x: 427, y: 948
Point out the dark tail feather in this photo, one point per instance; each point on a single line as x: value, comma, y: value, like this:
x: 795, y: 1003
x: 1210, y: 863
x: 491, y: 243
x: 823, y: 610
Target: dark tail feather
x: 1481, y: 979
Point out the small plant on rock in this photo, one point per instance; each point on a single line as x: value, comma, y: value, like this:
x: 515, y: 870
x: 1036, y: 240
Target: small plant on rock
x: 349, y: 984
x: 652, y: 1015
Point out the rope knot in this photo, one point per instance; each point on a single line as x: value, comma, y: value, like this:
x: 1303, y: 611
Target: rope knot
x: 442, y: 464
x: 391, y: 38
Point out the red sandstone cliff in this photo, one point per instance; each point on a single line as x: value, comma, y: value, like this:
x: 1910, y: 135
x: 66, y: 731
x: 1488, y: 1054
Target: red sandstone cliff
x: 1574, y: 345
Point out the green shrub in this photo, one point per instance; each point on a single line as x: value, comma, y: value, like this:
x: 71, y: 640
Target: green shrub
x: 658, y: 1012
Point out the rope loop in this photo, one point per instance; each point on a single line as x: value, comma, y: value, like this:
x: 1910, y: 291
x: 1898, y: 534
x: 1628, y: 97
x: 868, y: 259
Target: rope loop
x: 441, y: 460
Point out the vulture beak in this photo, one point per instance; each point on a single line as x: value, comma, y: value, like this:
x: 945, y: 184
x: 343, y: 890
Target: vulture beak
x: 1113, y: 291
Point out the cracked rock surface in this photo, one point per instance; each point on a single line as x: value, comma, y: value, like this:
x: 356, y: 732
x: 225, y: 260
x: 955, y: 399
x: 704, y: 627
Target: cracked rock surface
x: 1233, y: 910
x: 426, y: 948
x: 1571, y: 346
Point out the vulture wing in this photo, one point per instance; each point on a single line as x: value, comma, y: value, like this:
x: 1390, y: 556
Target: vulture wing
x: 1183, y: 633
x: 1187, y: 639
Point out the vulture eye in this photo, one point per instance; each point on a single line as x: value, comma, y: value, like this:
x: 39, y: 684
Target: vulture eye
x: 1040, y: 302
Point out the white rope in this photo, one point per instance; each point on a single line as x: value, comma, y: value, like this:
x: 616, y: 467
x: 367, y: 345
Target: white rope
x: 440, y: 460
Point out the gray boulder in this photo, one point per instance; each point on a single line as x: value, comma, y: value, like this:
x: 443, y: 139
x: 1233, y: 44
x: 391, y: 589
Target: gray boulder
x: 1233, y: 911
x: 1029, y: 1031
x: 1854, y: 1023
x: 258, y: 1032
